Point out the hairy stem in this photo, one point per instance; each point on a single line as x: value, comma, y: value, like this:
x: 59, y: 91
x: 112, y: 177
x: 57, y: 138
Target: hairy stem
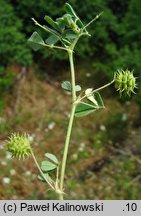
x: 66, y: 147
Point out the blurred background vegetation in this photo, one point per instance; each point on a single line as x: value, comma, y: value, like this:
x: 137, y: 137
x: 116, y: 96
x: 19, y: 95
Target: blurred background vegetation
x: 105, y: 156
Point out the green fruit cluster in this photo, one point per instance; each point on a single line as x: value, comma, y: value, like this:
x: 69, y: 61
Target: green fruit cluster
x: 125, y: 82
x: 19, y: 145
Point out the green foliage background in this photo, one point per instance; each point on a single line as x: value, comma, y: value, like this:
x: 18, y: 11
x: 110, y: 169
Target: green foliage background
x: 115, y: 40
x: 12, y: 40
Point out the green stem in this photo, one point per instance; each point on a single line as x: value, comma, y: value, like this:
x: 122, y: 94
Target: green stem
x: 66, y: 147
x: 96, y: 90
x: 44, y: 28
x: 55, y: 47
x: 96, y: 107
x: 64, y: 160
x: 36, y: 162
x: 97, y: 16
x: 70, y: 53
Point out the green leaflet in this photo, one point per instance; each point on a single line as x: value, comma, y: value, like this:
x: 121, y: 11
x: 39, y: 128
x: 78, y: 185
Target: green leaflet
x: 83, y: 109
x: 70, y: 10
x: 52, y: 31
x: 52, y: 157
x: 66, y: 85
x: 61, y: 24
x: 41, y: 178
x: 52, y: 40
x: 36, y: 41
x: 89, y: 106
x: 71, y: 35
x: 51, y: 22
x: 68, y: 20
x: 80, y: 24
x: 99, y: 100
x: 77, y: 88
x: 47, y: 166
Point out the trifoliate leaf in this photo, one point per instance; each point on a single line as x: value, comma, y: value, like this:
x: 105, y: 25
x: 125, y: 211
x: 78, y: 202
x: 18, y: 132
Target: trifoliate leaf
x: 66, y: 85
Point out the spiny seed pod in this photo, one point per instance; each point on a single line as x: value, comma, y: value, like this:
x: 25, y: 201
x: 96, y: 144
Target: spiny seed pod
x: 19, y: 145
x: 125, y: 82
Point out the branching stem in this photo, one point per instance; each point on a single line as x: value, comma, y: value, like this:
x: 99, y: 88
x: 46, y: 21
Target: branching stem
x: 44, y: 28
x: 56, y: 47
x: 75, y: 101
x: 96, y: 90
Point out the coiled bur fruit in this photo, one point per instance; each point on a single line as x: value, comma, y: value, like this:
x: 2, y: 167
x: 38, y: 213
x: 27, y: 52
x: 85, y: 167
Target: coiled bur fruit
x: 125, y: 82
x: 19, y: 145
